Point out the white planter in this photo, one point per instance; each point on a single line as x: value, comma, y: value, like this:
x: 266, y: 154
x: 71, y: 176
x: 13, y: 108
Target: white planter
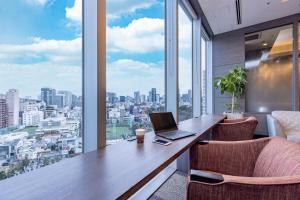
x: 234, y: 115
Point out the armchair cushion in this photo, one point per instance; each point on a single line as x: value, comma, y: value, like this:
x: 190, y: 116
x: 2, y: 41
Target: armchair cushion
x: 232, y: 158
x: 234, y: 130
x: 278, y: 158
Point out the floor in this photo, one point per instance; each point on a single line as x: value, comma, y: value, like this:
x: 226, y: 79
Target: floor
x: 172, y: 189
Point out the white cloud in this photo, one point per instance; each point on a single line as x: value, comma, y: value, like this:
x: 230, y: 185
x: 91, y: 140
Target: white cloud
x: 65, y: 51
x: 140, y: 36
x: 117, y: 8
x: 50, y: 63
x: 126, y: 76
x: 29, y: 78
x: 75, y: 13
x: 37, y: 2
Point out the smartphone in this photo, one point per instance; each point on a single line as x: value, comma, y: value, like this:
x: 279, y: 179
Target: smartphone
x: 162, y: 142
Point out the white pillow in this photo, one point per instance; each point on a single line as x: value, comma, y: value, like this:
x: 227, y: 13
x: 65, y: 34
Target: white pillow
x: 289, y: 120
x: 294, y: 138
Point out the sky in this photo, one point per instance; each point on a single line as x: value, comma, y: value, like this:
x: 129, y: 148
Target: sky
x: 42, y: 47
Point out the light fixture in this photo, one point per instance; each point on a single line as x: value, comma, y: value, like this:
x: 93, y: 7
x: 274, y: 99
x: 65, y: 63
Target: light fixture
x: 264, y: 43
x: 284, y: 1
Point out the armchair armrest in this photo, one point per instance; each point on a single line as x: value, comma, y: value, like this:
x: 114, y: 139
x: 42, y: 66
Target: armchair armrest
x: 246, y: 188
x: 232, y: 158
x: 206, y: 177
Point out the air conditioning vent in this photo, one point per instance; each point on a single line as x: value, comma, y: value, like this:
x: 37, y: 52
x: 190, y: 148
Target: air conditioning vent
x: 238, y: 11
x: 252, y: 37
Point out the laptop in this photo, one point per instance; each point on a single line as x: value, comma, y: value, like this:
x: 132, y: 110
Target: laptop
x: 164, y: 125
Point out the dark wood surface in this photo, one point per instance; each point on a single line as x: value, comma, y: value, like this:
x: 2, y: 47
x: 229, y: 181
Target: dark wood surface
x: 117, y: 171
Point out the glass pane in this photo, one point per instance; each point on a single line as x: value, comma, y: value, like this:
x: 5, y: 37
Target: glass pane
x: 185, y: 66
x: 135, y: 66
x: 40, y: 84
x: 269, y: 61
x: 203, y: 75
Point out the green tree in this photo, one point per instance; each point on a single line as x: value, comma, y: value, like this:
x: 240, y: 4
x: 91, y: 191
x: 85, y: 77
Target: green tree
x: 3, y: 175
x: 234, y: 83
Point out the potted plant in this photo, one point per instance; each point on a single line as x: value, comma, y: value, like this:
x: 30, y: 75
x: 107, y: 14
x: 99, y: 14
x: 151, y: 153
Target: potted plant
x: 233, y: 83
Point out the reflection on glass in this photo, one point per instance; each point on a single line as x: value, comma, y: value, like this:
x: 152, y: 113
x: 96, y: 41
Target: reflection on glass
x: 269, y: 61
x: 203, y: 75
x: 135, y: 66
x: 185, y: 66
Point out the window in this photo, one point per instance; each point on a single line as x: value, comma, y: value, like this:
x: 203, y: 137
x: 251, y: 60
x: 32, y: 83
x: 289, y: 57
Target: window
x: 203, y: 74
x: 185, y: 49
x: 40, y: 84
x: 135, y: 66
x: 269, y: 61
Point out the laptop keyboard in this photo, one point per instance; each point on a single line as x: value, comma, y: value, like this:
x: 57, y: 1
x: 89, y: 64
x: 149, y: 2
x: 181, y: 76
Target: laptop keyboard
x: 172, y: 133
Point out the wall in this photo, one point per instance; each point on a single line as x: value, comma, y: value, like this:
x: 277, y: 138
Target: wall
x: 229, y: 51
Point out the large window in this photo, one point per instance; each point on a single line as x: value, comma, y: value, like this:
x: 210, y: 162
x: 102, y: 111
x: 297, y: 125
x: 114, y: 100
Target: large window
x: 204, y: 47
x: 40, y: 84
x: 185, y: 51
x: 269, y: 61
x: 135, y: 65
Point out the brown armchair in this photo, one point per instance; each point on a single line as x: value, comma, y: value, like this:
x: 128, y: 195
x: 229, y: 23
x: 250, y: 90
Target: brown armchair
x: 235, y: 130
x: 267, y: 168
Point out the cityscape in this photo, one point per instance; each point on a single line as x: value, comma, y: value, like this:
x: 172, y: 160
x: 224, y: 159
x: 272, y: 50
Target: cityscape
x: 124, y: 114
x: 38, y: 132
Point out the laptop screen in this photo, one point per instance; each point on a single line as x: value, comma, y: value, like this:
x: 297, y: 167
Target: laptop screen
x: 162, y: 121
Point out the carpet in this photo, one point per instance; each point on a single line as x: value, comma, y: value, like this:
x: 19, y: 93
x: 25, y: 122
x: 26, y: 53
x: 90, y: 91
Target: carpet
x: 173, y: 189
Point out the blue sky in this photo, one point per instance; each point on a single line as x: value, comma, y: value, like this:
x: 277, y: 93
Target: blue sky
x: 40, y: 46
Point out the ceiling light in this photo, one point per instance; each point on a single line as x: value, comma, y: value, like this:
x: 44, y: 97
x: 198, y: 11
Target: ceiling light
x: 284, y: 1
x: 264, y: 44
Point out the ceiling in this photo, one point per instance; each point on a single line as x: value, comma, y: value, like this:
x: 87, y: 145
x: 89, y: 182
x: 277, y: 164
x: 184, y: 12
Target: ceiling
x: 221, y: 14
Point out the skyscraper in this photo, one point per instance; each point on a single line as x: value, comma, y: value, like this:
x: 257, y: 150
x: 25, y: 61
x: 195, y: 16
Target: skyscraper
x: 137, y: 97
x: 153, y: 95
x: 13, y: 104
x: 48, y: 96
x: 122, y: 99
x: 3, y: 112
x: 67, y: 97
x: 60, y: 100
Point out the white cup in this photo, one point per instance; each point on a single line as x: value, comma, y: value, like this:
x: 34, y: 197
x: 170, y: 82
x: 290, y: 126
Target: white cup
x: 140, y: 134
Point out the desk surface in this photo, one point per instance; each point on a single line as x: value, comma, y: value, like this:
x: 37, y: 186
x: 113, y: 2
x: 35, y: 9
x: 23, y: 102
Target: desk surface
x: 117, y: 171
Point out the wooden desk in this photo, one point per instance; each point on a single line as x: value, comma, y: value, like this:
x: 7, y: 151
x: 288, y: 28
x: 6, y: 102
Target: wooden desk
x: 117, y: 171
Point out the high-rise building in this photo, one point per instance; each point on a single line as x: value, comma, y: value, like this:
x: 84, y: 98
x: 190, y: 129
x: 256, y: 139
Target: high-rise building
x: 111, y: 97
x: 32, y: 118
x: 48, y: 96
x: 137, y: 97
x: 67, y: 97
x: 153, y: 95
x: 13, y: 104
x: 3, y: 112
x: 122, y: 99
x: 60, y: 100
x: 190, y: 96
x: 143, y: 98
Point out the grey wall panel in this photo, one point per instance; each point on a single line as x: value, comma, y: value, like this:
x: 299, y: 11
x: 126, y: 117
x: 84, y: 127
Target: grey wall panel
x: 228, y: 49
x: 261, y: 128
